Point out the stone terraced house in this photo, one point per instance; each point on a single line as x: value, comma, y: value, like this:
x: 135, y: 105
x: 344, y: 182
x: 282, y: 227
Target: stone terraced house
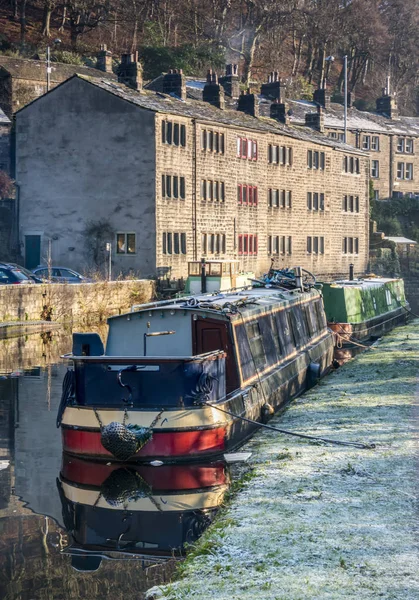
x: 168, y: 179
x: 389, y: 138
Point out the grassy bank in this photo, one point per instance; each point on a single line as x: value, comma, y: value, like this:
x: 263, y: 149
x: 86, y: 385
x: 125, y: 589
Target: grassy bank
x: 326, y: 522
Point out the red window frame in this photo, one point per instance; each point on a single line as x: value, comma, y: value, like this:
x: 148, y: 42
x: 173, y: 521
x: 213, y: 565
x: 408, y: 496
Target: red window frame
x: 250, y: 195
x: 240, y: 193
x: 245, y: 243
x: 240, y: 244
x: 254, y: 150
x: 245, y: 195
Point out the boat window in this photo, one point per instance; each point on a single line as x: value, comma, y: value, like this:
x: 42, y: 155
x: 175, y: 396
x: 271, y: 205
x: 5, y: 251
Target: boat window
x: 320, y: 315
x: 256, y: 344
x: 194, y: 268
x: 283, y: 328
x: 271, y: 339
x: 215, y: 269
x: 296, y: 325
x: 308, y: 320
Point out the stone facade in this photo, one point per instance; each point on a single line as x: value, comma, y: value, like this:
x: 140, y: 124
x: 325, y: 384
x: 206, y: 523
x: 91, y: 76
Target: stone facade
x: 139, y: 161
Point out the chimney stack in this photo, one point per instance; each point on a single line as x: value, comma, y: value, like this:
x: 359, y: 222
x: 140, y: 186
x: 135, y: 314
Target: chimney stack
x: 230, y: 81
x: 316, y: 120
x: 174, y: 82
x: 272, y: 89
x: 249, y: 104
x: 279, y: 112
x: 104, y: 59
x: 130, y: 71
x: 213, y: 92
x: 387, y: 104
x: 322, y: 98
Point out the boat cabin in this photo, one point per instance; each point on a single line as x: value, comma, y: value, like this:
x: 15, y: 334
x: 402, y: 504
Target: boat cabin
x: 220, y: 275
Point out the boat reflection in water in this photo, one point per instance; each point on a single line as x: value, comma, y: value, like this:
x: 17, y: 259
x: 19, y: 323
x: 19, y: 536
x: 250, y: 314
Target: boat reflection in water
x: 117, y: 511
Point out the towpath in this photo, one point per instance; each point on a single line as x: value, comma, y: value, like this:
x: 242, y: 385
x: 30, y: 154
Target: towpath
x: 325, y: 522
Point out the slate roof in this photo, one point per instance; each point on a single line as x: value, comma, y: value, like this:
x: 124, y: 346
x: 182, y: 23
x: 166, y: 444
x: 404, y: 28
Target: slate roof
x: 333, y: 117
x: 357, y: 119
x: 203, y: 111
x: 35, y: 70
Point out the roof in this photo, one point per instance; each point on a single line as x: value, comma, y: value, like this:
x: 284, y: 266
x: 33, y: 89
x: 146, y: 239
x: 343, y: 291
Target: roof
x: 249, y: 302
x: 35, y: 70
x: 399, y: 240
x: 205, y: 112
x: 333, y: 116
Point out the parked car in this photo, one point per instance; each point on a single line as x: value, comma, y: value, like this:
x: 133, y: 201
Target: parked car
x: 11, y: 273
x: 60, y: 275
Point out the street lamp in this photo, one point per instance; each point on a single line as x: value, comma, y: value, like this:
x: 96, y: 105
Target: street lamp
x: 345, y: 100
x: 56, y: 42
x: 109, y: 249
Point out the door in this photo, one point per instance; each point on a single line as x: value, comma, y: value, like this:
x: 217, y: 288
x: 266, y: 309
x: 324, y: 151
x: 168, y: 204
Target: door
x: 210, y: 335
x: 32, y: 251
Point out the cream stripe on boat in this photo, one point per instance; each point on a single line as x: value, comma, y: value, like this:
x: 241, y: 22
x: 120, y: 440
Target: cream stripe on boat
x: 159, y: 503
x: 178, y: 419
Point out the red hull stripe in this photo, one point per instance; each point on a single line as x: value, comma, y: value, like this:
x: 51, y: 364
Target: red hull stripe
x: 166, y: 477
x: 170, y: 445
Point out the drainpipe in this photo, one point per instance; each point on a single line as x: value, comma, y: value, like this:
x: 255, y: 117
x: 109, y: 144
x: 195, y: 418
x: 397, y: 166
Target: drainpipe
x: 203, y: 277
x: 17, y: 218
x: 391, y: 169
x: 194, y: 221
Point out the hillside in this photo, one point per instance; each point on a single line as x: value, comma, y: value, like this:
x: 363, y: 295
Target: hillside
x: 294, y: 37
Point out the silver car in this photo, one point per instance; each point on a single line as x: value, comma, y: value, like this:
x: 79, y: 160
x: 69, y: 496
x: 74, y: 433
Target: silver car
x: 60, y: 275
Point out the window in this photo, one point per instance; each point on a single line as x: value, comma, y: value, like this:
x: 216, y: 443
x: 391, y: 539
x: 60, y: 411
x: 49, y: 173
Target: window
x: 212, y: 190
x: 375, y: 169
x: 248, y: 244
x: 351, y: 165
x: 212, y: 141
x: 405, y: 171
x: 375, y: 143
x: 247, y: 149
x: 315, y: 201
x: 280, y: 155
x: 213, y: 243
x: 125, y: 243
x: 279, y: 198
x: 315, y: 244
x: 173, y: 243
x: 256, y: 344
x: 409, y: 146
x: 366, y: 142
x: 400, y: 144
x: 350, y: 204
x: 173, y: 133
x: 315, y: 160
x: 350, y: 245
x: 173, y: 186
x: 247, y: 195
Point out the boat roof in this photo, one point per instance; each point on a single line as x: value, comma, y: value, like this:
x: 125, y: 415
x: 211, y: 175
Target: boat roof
x: 368, y: 282
x: 235, y: 304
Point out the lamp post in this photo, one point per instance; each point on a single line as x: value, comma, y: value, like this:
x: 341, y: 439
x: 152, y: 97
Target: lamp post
x: 109, y: 249
x: 345, y: 100
x: 56, y: 42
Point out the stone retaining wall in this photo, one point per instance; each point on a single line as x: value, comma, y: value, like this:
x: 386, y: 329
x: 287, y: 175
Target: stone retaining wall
x: 77, y: 303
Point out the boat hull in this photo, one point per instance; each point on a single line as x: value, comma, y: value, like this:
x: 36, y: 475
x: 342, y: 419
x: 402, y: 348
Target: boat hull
x: 200, y: 431
x: 368, y: 329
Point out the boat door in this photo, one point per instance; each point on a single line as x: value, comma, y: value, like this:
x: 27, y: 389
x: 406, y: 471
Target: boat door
x: 213, y: 334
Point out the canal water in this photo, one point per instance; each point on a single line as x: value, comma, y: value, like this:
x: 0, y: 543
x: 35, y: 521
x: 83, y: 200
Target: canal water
x: 73, y: 529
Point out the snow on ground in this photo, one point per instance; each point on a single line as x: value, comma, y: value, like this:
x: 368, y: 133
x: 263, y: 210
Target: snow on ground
x: 325, y: 522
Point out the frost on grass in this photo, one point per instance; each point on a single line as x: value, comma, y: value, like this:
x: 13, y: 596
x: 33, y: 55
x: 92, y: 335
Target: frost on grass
x: 326, y: 522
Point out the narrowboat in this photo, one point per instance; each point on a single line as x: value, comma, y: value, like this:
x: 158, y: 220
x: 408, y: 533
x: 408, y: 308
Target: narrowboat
x: 191, y: 378
x: 359, y: 310
x: 136, y: 510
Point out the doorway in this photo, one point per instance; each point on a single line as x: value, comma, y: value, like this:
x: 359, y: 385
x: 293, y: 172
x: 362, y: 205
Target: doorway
x: 32, y: 251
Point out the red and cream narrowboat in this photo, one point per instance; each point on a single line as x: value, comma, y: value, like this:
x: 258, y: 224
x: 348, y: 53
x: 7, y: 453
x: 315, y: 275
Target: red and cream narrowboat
x: 178, y: 378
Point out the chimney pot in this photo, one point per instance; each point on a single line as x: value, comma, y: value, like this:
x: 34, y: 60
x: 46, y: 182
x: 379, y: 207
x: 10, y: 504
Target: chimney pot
x: 104, y: 59
x: 130, y: 72
x: 174, y: 82
x: 230, y: 81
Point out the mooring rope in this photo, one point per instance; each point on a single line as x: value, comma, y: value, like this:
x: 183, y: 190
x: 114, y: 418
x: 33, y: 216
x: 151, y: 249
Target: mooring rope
x: 300, y: 435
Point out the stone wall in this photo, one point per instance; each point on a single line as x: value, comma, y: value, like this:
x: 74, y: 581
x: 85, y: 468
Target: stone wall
x: 78, y: 303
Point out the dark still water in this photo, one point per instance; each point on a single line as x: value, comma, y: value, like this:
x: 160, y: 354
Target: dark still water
x: 77, y: 529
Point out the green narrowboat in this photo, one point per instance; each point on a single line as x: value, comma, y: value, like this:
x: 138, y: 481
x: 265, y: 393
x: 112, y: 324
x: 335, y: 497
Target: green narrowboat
x: 363, y: 309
